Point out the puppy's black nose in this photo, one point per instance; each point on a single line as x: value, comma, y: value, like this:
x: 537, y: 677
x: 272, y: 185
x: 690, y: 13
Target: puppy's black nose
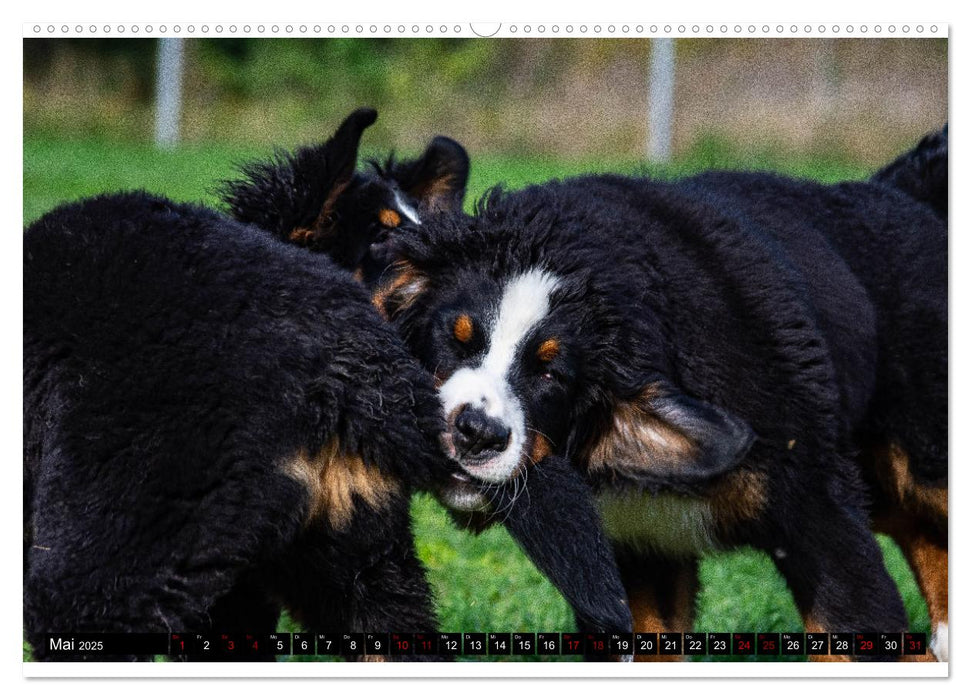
x: 477, y: 433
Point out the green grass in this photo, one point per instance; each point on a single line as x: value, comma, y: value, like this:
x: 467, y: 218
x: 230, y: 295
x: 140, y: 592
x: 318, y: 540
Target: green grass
x: 481, y: 583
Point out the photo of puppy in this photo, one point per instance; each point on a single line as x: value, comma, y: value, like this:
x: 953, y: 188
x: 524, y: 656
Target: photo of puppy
x: 217, y: 425
x: 720, y: 356
x: 602, y: 333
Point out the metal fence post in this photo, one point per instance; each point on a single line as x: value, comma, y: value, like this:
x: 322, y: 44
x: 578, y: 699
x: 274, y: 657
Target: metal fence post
x: 168, y: 92
x: 661, y: 100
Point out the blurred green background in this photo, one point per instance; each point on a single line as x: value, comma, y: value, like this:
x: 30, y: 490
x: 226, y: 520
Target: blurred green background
x: 859, y: 100
x: 528, y: 111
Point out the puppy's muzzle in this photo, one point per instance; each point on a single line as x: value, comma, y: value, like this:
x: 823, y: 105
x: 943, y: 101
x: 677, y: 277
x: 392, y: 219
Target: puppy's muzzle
x: 477, y: 436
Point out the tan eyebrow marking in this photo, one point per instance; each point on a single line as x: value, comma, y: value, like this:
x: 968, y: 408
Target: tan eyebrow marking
x: 389, y: 218
x: 548, y: 349
x: 463, y: 328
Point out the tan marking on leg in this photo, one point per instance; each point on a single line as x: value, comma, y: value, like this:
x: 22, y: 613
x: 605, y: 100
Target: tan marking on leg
x: 333, y: 478
x: 891, y: 465
x: 648, y: 610
x: 647, y: 617
x: 685, y: 598
x: 915, y: 516
x: 930, y: 499
x: 928, y: 560
x: 813, y: 624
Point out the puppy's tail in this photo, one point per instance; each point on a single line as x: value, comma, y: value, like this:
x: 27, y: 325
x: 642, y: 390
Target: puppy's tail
x: 921, y: 172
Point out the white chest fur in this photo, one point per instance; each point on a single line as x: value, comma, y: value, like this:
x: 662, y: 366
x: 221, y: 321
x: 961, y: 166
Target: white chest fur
x: 665, y: 524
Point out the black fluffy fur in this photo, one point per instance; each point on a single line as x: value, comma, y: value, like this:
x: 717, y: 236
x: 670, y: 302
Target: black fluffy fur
x: 921, y: 172
x: 174, y: 361
x: 576, y: 557
x: 780, y: 326
x: 316, y: 198
x: 288, y: 191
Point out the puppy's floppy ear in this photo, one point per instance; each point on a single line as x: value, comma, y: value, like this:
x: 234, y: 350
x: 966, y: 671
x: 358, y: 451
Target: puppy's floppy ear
x: 399, y: 289
x: 438, y: 178
x: 662, y: 433
x: 342, y: 151
x: 293, y: 196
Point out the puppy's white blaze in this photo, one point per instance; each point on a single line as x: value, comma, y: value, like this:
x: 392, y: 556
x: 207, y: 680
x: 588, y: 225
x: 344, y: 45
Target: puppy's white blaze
x: 525, y: 302
x: 406, y: 210
x: 939, y: 641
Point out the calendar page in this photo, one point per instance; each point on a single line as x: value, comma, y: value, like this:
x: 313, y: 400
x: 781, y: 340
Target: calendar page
x: 441, y: 344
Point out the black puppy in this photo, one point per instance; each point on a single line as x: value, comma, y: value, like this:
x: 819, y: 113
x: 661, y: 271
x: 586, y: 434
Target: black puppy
x: 215, y: 424
x: 717, y: 356
x: 316, y: 198
x: 355, y: 222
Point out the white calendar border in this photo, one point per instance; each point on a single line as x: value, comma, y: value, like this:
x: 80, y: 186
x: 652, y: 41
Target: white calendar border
x: 637, y: 28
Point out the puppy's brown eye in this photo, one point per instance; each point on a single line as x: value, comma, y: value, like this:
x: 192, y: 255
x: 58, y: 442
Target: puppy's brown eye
x: 463, y: 328
x: 548, y: 350
x: 389, y: 218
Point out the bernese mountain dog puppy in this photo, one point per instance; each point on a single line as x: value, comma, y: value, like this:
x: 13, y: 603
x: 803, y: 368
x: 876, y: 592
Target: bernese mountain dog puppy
x: 355, y: 222
x: 732, y: 359
x: 217, y: 423
x: 316, y: 197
